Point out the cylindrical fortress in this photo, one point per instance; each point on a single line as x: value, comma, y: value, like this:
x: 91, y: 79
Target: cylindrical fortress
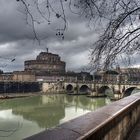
x: 46, y: 63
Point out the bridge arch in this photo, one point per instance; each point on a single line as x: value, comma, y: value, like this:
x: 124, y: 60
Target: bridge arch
x: 103, y: 89
x: 129, y: 91
x: 69, y: 88
x: 84, y: 89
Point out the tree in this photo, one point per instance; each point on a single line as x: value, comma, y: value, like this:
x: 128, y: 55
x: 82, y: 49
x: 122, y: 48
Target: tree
x: 121, y: 35
x: 1, y: 71
x: 120, y: 20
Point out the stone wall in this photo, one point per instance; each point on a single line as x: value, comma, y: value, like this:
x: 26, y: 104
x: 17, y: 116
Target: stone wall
x: 53, y: 87
x: 112, y: 122
x: 19, y: 87
x: 23, y: 76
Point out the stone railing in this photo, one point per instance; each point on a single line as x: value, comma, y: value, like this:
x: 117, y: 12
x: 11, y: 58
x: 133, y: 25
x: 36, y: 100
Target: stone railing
x: 117, y: 82
x: 112, y: 122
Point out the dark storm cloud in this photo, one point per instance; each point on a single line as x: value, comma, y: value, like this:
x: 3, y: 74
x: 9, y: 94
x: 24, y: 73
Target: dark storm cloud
x: 16, y: 39
x: 12, y: 25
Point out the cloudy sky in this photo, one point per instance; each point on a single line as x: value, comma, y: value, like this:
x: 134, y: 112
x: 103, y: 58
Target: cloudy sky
x: 16, y: 39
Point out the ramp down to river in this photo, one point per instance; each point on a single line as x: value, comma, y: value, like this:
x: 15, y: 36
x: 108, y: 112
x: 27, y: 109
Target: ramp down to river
x: 115, y: 121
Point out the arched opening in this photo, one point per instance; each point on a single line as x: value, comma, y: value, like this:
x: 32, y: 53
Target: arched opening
x: 129, y: 91
x: 84, y: 89
x: 106, y: 91
x: 103, y: 89
x: 69, y: 88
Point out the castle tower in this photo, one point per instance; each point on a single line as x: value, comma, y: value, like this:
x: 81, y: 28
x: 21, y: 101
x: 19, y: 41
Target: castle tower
x: 46, y: 63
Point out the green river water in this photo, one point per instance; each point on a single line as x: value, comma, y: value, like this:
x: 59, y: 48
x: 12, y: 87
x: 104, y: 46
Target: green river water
x: 23, y: 117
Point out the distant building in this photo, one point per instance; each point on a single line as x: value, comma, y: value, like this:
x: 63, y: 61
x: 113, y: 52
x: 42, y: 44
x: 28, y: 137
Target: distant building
x: 104, y: 76
x: 118, y: 74
x: 46, y: 67
x: 24, y: 76
x: 81, y: 76
x: 46, y: 64
x: 129, y: 74
x: 8, y: 76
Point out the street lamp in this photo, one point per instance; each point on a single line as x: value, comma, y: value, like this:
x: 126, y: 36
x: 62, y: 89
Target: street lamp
x: 83, y: 76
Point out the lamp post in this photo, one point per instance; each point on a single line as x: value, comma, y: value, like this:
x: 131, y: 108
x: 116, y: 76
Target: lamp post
x: 83, y: 76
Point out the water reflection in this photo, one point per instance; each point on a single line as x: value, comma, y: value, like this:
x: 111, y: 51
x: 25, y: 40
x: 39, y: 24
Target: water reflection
x: 23, y: 117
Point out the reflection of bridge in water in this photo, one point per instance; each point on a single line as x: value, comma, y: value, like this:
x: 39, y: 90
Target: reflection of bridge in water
x: 48, y: 110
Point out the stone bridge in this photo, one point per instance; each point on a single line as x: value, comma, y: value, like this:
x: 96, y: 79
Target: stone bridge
x: 124, y: 88
x: 80, y: 87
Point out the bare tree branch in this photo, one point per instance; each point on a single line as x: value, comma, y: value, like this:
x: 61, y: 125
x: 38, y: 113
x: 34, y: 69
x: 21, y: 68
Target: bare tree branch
x: 120, y: 19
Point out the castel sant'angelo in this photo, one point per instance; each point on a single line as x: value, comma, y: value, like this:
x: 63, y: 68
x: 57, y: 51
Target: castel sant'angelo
x: 46, y: 64
x: 46, y: 67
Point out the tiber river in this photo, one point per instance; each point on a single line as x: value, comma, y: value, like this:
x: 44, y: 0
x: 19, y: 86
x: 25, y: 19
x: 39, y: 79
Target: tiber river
x: 23, y: 117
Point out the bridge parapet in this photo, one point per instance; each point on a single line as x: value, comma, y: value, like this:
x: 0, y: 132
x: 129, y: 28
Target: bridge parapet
x: 112, y: 122
x: 79, y: 81
x: 117, y: 82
